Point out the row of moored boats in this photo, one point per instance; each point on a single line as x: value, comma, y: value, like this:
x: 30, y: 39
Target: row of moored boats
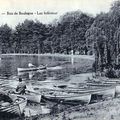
x: 94, y: 92
x: 63, y: 96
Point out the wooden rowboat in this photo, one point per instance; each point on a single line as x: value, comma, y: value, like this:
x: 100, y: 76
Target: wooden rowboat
x: 30, y: 95
x: 114, y: 83
x: 68, y: 98
x: 104, y: 93
x: 99, y: 85
x: 82, y: 95
x: 100, y: 93
x: 31, y: 69
x: 15, y: 108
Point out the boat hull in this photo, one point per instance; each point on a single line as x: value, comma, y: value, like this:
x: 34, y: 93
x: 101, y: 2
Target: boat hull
x: 31, y: 97
x: 103, y: 94
x: 36, y: 98
x: 30, y: 69
x: 98, y: 85
x: 15, y: 109
x: 75, y: 99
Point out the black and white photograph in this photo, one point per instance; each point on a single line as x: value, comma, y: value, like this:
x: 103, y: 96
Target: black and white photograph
x: 59, y: 59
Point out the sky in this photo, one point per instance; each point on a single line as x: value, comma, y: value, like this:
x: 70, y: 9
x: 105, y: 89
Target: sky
x: 14, y: 11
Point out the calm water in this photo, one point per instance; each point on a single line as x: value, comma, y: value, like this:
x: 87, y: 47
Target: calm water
x: 62, y: 67
x: 61, y: 70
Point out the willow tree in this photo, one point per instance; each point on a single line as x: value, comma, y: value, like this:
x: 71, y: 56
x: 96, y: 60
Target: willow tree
x: 115, y: 20
x: 117, y: 46
x: 97, y: 38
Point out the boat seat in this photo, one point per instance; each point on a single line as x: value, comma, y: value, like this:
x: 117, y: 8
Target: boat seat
x: 4, y: 104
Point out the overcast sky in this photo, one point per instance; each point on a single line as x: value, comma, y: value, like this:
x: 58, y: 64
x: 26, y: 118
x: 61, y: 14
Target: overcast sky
x: 60, y: 6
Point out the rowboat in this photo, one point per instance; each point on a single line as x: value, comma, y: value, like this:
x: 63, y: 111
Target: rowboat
x: 108, y: 83
x: 30, y: 95
x: 112, y: 81
x: 78, y: 90
x: 15, y: 108
x: 99, y: 85
x: 96, y: 94
x: 103, y: 94
x: 31, y: 69
x: 68, y: 98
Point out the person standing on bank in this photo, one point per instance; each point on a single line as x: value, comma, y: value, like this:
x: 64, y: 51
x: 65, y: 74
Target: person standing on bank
x: 21, y: 87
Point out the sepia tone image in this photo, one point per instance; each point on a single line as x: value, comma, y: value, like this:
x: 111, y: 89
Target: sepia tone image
x: 59, y: 60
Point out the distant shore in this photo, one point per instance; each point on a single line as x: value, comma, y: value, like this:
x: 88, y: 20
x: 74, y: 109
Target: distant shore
x: 90, y: 57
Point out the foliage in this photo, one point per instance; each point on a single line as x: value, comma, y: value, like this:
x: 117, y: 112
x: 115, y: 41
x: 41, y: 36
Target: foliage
x: 104, y: 34
x: 74, y: 31
x: 34, y: 37
x: 5, y: 38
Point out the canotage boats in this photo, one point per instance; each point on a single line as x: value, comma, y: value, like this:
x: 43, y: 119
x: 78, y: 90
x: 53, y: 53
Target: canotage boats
x: 30, y: 95
x: 79, y: 96
x: 104, y: 92
x: 67, y: 98
x: 15, y: 107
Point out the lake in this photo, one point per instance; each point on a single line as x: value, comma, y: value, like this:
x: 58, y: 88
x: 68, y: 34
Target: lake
x: 62, y: 70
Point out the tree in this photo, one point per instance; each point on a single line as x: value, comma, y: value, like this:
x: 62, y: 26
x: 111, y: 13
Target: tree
x: 70, y: 31
x: 98, y: 38
x: 5, y: 38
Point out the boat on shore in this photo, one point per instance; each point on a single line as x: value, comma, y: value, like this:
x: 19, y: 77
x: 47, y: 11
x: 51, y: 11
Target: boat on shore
x: 99, y: 89
x: 104, y: 94
x: 99, y: 84
x: 67, y: 98
x: 80, y: 95
x: 30, y: 95
x: 115, y: 83
x: 15, y: 108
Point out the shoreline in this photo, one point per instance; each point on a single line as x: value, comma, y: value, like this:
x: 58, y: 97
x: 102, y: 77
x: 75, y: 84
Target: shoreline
x: 104, y: 110
x: 90, y: 57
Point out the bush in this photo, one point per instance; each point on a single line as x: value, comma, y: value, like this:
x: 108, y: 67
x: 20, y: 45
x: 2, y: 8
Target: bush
x: 110, y: 73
